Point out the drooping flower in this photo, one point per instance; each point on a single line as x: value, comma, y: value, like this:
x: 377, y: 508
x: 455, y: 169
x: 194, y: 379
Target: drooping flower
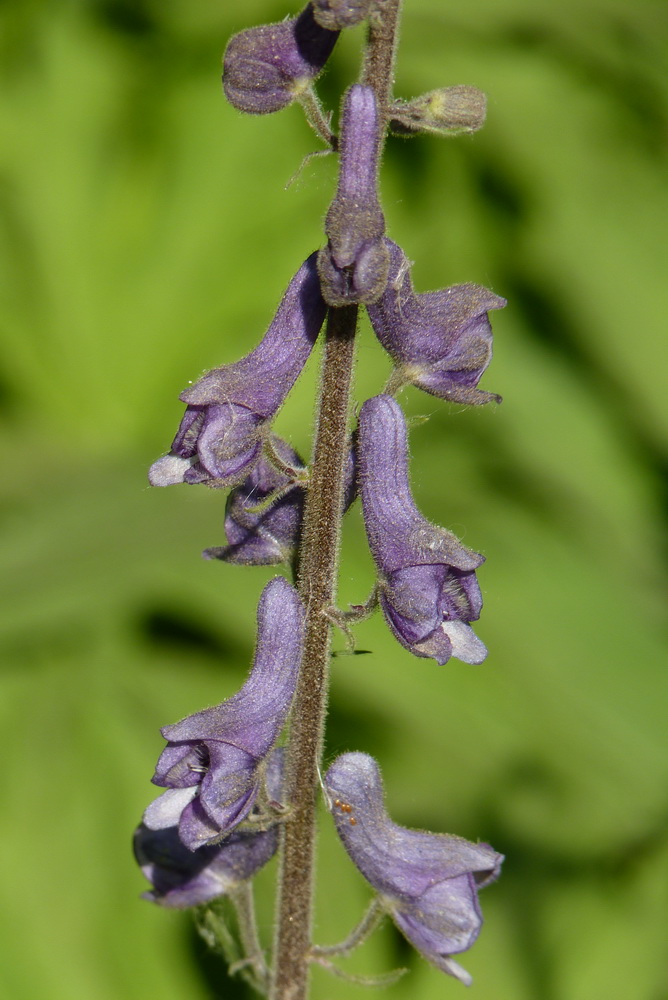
x: 427, y: 585
x: 230, y: 409
x: 441, y: 341
x: 428, y: 882
x: 353, y: 266
x: 262, y: 531
x: 270, y: 66
x: 214, y: 761
x: 181, y: 877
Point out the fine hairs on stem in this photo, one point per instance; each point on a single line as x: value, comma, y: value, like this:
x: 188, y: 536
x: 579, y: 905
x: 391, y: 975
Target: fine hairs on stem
x: 242, y: 780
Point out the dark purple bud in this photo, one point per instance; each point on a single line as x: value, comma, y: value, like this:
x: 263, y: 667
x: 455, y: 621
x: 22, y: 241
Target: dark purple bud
x: 428, y: 882
x: 230, y: 409
x: 262, y: 531
x: 440, y: 341
x: 427, y: 584
x: 353, y: 266
x: 181, y: 877
x: 448, y: 111
x: 214, y: 761
x: 335, y: 14
x: 268, y: 67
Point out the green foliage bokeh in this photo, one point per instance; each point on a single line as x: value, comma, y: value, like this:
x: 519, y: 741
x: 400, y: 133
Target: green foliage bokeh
x: 147, y: 235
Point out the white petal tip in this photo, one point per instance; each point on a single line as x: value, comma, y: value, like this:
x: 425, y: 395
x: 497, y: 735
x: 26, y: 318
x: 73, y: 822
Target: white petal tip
x: 168, y: 471
x: 466, y: 645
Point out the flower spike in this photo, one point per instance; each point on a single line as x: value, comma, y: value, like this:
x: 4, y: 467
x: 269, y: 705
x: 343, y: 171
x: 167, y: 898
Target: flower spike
x: 230, y: 409
x: 214, y: 760
x: 428, y: 882
x: 440, y: 341
x: 427, y: 585
x: 353, y: 266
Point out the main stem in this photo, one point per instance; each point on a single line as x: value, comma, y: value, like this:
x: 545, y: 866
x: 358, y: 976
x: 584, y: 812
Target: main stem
x: 317, y: 587
x: 317, y: 580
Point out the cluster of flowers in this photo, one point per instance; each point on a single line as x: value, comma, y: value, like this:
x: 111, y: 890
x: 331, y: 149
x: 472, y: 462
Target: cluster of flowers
x: 216, y: 824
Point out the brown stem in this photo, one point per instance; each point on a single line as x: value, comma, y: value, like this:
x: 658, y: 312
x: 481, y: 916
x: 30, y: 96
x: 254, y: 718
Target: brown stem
x: 317, y: 584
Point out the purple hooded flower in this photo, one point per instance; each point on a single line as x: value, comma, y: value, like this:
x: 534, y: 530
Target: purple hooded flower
x: 181, y: 877
x: 428, y: 882
x: 427, y: 585
x: 231, y: 408
x: 262, y: 531
x: 268, y: 67
x: 440, y: 341
x: 214, y: 760
x: 353, y: 266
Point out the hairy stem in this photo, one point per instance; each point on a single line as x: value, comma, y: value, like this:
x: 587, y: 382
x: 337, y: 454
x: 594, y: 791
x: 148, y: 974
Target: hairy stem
x: 317, y: 579
x: 317, y: 584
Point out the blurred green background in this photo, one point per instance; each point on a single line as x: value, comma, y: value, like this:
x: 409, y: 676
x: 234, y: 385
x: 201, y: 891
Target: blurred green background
x: 146, y: 236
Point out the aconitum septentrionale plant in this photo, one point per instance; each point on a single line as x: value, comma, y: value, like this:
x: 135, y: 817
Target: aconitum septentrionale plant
x: 242, y: 780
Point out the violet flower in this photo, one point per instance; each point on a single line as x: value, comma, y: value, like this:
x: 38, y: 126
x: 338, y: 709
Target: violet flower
x: 441, y: 341
x: 428, y: 882
x: 262, y: 531
x: 214, y: 761
x: 181, y: 877
x: 353, y: 266
x: 427, y: 585
x: 230, y: 409
x: 270, y: 66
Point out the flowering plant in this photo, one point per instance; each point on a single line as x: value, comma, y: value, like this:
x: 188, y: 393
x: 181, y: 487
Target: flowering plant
x: 237, y: 790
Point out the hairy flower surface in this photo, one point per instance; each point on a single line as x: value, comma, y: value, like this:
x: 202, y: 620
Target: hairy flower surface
x: 182, y: 877
x: 441, y: 341
x: 270, y: 66
x: 336, y: 14
x: 214, y: 760
x: 230, y: 409
x: 427, y: 585
x: 353, y: 266
x: 428, y: 882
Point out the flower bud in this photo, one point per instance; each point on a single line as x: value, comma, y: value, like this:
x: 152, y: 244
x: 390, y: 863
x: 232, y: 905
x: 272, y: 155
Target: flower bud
x: 268, y: 67
x: 353, y: 266
x: 448, y: 111
x: 335, y: 14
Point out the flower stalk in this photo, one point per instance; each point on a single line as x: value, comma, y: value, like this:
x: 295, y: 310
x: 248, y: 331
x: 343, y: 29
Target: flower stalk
x: 233, y: 796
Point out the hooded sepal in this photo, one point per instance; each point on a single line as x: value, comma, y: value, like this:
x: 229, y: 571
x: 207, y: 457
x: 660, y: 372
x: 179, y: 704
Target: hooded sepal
x: 428, y: 882
x: 230, y: 409
x: 440, y: 341
x: 427, y: 585
x: 215, y: 760
x: 353, y: 266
